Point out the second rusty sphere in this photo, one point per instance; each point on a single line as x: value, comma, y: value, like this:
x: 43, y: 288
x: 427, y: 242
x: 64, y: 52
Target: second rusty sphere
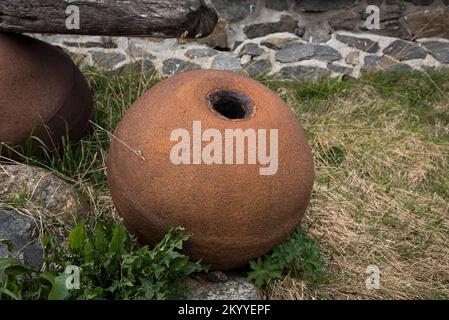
x: 237, y: 210
x: 42, y: 93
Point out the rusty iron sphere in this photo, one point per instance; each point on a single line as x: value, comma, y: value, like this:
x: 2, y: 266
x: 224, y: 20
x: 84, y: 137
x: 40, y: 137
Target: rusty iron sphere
x: 234, y: 213
x: 42, y: 93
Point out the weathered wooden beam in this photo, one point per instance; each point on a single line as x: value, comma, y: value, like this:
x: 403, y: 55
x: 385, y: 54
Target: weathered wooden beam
x: 155, y: 18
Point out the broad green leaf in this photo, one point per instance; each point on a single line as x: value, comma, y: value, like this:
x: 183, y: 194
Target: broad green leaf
x: 119, y: 237
x: 77, y: 237
x: 101, y: 243
x: 114, y: 267
x: 59, y: 289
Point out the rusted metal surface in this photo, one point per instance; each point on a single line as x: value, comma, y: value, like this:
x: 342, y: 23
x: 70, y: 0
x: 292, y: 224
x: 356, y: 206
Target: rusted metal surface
x: 234, y: 213
x: 40, y: 87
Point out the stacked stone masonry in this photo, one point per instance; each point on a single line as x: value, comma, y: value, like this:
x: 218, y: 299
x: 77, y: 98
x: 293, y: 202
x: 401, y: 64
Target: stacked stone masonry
x: 287, y: 39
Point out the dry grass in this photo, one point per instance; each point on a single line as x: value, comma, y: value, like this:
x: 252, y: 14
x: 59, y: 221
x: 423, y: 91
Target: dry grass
x: 381, y: 193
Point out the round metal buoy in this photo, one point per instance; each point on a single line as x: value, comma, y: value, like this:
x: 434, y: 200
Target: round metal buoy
x: 42, y: 93
x: 217, y: 153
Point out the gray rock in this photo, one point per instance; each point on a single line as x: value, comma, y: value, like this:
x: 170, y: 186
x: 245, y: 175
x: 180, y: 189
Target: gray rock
x: 326, y: 53
x: 343, y: 70
x: 439, y: 50
x: 217, y: 276
x: 36, y: 188
x: 363, y: 44
x: 277, y: 42
x: 258, y: 67
x: 139, y: 52
x: 138, y: 66
x: 392, y: 10
x: 106, y: 59
x: 404, y: 50
x: 353, y: 58
x: 308, y: 73
x: 245, y: 59
x: 295, y: 52
x: 376, y: 63
x: 390, y: 21
x: 234, y: 11
x: 251, y: 49
x: 301, y: 51
x: 236, y: 44
x: 218, y: 38
x: 174, y: 65
x: 322, y: 5
x: 226, y: 62
x: 285, y: 24
x: 346, y: 20
x: 300, y: 30
x: 23, y: 232
x: 235, y: 287
x: 317, y: 32
x: 399, y: 67
x: 427, y: 23
x: 383, y: 63
x: 200, y: 53
x: 278, y: 5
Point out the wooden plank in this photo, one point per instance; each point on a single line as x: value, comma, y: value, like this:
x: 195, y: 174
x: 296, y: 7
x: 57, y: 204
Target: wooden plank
x: 155, y: 18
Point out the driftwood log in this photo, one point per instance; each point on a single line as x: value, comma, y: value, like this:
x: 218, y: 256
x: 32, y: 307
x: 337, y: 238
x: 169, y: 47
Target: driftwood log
x: 155, y: 18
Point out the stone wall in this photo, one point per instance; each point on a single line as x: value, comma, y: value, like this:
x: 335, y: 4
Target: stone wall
x: 288, y: 39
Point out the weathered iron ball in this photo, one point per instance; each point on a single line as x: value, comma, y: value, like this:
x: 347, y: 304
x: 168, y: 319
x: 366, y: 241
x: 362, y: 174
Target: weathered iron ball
x: 42, y: 93
x: 172, y: 163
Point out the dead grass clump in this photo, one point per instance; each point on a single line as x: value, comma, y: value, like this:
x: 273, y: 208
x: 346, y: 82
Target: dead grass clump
x: 379, y: 196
